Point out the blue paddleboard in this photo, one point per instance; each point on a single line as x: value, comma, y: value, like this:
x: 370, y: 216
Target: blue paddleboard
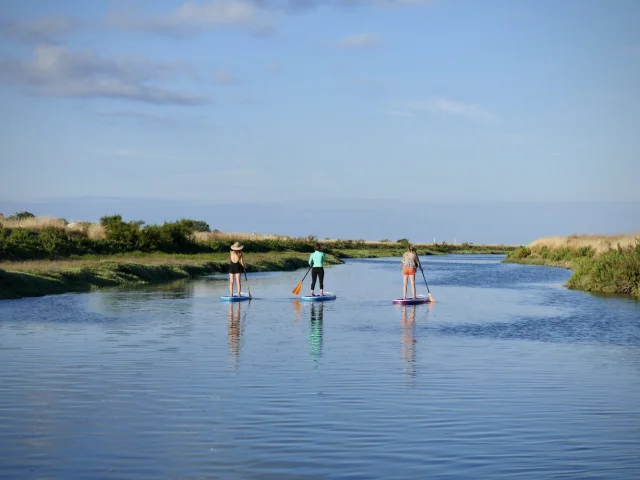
x: 236, y: 298
x: 319, y: 298
x: 411, y: 301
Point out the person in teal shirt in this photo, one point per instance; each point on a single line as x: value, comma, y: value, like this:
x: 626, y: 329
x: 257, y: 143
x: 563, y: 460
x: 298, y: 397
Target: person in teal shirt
x: 316, y: 260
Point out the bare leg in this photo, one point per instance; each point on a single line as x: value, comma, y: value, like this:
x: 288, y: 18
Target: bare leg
x: 239, y: 282
x: 413, y: 285
x: 404, y: 286
x: 231, y: 284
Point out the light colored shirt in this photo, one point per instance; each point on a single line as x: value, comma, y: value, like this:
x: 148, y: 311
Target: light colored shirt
x: 410, y: 259
x: 316, y: 259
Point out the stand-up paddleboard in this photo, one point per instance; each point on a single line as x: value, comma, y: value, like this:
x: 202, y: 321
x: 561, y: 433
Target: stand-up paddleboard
x: 241, y: 298
x: 319, y: 298
x: 411, y: 301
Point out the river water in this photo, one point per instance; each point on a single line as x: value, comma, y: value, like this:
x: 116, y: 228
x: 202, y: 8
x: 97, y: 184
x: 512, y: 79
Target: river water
x: 507, y: 375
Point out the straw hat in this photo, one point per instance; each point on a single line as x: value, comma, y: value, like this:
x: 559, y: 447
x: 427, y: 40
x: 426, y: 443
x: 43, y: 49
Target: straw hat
x: 237, y: 246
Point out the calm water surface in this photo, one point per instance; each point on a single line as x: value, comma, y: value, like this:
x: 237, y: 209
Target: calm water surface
x: 507, y: 375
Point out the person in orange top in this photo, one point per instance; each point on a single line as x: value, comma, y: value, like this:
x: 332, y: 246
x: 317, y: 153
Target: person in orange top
x: 410, y: 264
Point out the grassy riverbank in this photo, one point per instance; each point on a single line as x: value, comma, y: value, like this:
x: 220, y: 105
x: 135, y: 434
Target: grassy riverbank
x: 38, y: 278
x: 600, y: 263
x: 41, y: 256
x: 32, y: 278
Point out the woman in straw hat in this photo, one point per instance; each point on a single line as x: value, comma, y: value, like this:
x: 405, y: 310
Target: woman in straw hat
x: 236, y: 267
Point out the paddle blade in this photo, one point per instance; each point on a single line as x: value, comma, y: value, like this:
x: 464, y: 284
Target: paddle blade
x: 296, y: 291
x: 431, y: 299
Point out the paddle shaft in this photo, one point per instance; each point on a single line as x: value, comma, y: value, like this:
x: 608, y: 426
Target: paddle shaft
x: 246, y: 280
x: 425, y: 278
x: 296, y: 290
x: 305, y: 275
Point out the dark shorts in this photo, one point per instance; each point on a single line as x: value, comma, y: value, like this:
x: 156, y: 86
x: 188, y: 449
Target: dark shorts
x: 235, y: 267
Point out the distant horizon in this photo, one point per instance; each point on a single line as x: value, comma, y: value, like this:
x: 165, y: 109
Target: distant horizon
x: 509, y: 223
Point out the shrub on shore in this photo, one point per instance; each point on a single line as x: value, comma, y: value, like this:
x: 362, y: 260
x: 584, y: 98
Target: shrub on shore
x: 614, y: 271
x: 600, y: 263
x: 50, y: 238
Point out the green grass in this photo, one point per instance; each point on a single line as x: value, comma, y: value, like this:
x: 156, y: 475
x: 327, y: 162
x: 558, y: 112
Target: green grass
x: 614, y: 271
x: 82, y: 273
x: 33, y: 279
x: 378, y: 251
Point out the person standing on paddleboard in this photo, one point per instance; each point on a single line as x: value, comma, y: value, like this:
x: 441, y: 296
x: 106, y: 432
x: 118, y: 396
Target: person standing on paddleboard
x: 316, y: 261
x: 236, y: 267
x: 410, y: 264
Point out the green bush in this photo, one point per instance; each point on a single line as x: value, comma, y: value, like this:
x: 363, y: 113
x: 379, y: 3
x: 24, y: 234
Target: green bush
x: 518, y: 253
x: 196, y: 225
x: 615, y: 271
x: 54, y: 242
x: 125, y: 234
x: 21, y: 216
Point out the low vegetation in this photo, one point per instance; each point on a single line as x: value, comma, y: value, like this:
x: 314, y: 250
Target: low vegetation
x: 39, y: 277
x: 33, y: 238
x: 600, y: 263
x: 42, y: 255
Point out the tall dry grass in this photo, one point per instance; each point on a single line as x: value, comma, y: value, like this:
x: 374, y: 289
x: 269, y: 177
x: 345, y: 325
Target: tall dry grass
x: 35, y: 223
x: 599, y: 243
x: 233, y: 237
x: 91, y: 230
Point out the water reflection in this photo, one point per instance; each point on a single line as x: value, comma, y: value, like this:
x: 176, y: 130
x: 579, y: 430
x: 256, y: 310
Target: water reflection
x: 235, y: 332
x: 494, y: 383
x: 315, y: 330
x: 297, y: 307
x: 408, y: 340
x: 131, y: 299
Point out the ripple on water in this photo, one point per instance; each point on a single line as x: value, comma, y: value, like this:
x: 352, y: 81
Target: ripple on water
x: 508, y: 375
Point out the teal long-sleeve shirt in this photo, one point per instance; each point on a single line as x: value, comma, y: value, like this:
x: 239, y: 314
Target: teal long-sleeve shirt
x: 316, y: 259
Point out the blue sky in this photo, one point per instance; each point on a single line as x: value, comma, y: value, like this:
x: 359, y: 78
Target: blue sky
x: 382, y: 114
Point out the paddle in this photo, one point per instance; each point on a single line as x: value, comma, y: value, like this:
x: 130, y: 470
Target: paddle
x: 296, y: 291
x: 431, y: 299
x: 247, y: 281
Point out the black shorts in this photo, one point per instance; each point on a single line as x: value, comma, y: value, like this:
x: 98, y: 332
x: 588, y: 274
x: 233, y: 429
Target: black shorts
x: 235, y: 267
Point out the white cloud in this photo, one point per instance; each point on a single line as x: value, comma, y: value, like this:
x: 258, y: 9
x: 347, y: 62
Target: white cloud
x: 40, y: 29
x: 360, y: 40
x: 393, y: 3
x: 56, y: 71
x: 295, y: 5
x: 451, y: 107
x: 194, y: 17
x: 142, y: 117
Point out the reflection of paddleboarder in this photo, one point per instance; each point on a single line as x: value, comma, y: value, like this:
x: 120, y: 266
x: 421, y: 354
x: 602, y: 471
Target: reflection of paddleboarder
x: 235, y: 331
x: 408, y: 339
x: 315, y: 330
